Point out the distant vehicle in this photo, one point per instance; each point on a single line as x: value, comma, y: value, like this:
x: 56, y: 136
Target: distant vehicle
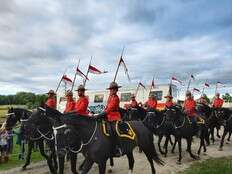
x: 98, y: 98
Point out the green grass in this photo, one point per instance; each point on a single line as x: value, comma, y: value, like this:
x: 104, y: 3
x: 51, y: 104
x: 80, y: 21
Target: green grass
x: 13, y: 158
x: 211, y: 166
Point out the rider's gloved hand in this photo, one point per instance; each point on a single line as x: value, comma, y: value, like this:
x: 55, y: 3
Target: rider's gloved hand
x: 99, y: 116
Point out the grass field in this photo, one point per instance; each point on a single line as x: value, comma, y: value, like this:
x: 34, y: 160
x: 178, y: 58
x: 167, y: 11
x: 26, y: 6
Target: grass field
x: 13, y: 158
x: 211, y: 166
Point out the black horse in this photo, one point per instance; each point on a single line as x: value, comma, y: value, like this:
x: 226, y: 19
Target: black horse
x: 226, y: 115
x: 215, y: 121
x: 160, y: 126
x: 135, y: 114
x: 96, y: 147
x: 183, y: 128
x: 32, y: 135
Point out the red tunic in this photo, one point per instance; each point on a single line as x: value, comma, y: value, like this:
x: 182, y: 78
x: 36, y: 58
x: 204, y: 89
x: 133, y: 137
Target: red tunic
x: 169, y: 104
x: 151, y: 103
x: 133, y: 104
x: 112, y: 108
x: 190, y: 107
x: 81, y: 106
x: 70, y: 106
x: 51, y: 102
x: 217, y: 103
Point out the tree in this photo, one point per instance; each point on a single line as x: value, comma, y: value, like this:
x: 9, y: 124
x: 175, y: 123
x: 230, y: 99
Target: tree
x: 227, y: 98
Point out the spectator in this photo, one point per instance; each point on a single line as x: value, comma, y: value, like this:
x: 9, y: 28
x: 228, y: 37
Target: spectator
x: 3, y: 145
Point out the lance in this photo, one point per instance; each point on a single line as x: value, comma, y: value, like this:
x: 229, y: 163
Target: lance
x: 216, y: 88
x: 151, y: 84
x: 136, y: 91
x: 61, y: 80
x: 116, y: 73
x: 75, y: 76
x: 189, y: 84
x: 87, y: 73
x: 203, y: 90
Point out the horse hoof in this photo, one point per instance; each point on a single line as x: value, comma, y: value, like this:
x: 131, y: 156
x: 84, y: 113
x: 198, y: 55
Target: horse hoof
x: 110, y: 170
x: 130, y: 172
x: 23, y: 168
x: 198, y: 157
x: 220, y: 149
x: 178, y: 162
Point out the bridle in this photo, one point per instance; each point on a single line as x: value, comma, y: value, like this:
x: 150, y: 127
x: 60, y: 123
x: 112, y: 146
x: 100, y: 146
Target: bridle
x: 55, y: 130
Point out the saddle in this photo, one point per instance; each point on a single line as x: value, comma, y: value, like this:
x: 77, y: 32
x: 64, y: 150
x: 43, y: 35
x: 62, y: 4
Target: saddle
x: 122, y: 130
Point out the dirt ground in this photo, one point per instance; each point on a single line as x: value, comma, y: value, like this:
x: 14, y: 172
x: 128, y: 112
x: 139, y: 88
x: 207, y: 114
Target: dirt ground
x: 141, y: 164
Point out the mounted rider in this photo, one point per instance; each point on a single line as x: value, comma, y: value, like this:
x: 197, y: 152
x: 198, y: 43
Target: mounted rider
x: 169, y: 102
x: 151, y: 104
x: 133, y: 103
x: 217, y: 102
x: 112, y: 115
x: 51, y: 101
x: 203, y: 100
x: 81, y: 106
x: 70, y: 105
x: 190, y: 109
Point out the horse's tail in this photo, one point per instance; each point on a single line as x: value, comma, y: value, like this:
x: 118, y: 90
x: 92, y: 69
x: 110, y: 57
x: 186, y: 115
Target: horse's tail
x: 156, y: 157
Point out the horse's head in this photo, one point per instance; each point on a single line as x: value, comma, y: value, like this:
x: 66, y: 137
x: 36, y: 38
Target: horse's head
x: 14, y: 115
x: 218, y: 115
x: 137, y: 113
x: 66, y: 139
x: 37, y: 121
x: 153, y: 119
x: 171, y: 114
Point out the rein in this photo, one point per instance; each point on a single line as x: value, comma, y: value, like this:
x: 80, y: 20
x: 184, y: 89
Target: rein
x: 177, y: 127
x: 82, y: 144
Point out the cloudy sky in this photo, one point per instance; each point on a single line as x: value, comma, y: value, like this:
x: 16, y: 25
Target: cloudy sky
x: 39, y: 39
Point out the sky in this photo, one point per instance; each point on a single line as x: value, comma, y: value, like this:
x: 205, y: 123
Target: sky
x: 42, y: 38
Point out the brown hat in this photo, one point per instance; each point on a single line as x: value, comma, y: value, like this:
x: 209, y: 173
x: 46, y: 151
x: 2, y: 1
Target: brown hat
x: 69, y: 93
x: 114, y: 85
x: 51, y: 92
x: 168, y: 96
x: 188, y: 93
x: 132, y: 95
x: 81, y: 88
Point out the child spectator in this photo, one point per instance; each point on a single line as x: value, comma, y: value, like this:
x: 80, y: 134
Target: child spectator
x: 3, y: 145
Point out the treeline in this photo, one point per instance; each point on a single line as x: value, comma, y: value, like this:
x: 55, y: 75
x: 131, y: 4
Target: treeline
x: 29, y: 99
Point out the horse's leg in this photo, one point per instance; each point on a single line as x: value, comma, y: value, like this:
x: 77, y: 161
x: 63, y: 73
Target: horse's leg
x: 131, y: 162
x: 189, y: 144
x: 87, y: 164
x: 218, y: 128
x: 61, y: 159
x: 212, y: 134
x: 150, y: 159
x: 180, y: 150
x: 110, y: 170
x: 102, y: 167
x: 159, y: 142
x: 170, y: 140
x: 174, y: 146
x: 29, y: 151
x: 166, y: 145
x: 201, y: 144
x: 228, y: 139
x: 222, y: 140
x: 73, y: 161
x: 48, y: 158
